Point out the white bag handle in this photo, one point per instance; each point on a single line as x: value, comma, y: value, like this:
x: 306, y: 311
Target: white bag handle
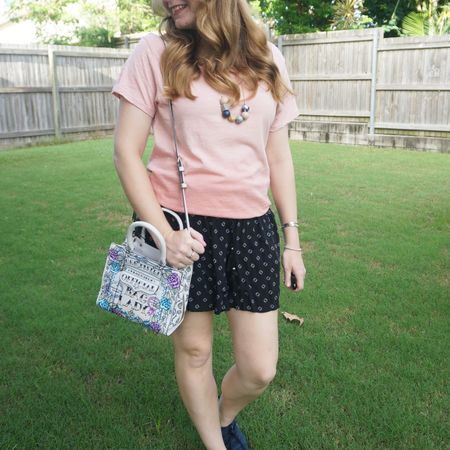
x: 177, y: 217
x: 156, y: 235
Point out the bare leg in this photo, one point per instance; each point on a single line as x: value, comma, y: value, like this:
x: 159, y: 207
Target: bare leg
x: 255, y: 343
x: 193, y: 366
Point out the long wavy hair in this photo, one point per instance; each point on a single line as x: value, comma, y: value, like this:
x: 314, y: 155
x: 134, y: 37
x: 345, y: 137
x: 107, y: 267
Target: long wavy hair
x: 233, y: 45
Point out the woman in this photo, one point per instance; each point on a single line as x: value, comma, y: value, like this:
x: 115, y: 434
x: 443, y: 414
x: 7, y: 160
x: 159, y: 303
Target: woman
x: 232, y: 104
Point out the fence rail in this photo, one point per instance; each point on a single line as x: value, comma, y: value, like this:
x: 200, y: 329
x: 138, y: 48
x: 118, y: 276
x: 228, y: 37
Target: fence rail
x: 357, y: 87
x: 351, y: 86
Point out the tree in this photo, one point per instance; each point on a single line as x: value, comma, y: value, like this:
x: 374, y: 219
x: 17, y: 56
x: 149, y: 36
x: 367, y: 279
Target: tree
x: 382, y: 12
x: 430, y: 19
x: 349, y: 14
x: 42, y: 14
x: 135, y: 16
x: 297, y: 16
x: 391, y: 14
x: 84, y: 22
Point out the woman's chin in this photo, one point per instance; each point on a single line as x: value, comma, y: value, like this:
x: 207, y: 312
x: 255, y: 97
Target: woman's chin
x: 184, y: 25
x: 184, y: 20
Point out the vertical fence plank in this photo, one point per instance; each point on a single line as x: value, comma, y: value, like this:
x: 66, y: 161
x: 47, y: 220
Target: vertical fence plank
x: 280, y: 43
x: 52, y: 61
x: 373, y: 88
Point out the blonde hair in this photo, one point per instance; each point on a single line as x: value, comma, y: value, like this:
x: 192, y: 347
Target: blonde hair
x: 233, y: 43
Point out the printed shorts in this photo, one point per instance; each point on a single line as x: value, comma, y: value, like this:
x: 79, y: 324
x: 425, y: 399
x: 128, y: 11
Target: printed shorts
x: 240, y: 267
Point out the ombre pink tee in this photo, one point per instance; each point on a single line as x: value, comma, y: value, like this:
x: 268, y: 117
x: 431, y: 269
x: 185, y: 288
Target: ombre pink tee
x: 226, y: 165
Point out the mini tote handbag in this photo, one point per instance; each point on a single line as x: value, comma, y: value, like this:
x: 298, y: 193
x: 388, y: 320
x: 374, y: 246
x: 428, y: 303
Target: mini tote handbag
x: 137, y: 283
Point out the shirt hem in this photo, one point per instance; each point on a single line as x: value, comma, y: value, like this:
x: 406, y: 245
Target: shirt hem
x: 122, y: 93
x: 193, y: 210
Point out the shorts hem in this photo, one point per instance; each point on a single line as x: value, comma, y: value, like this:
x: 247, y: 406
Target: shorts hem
x: 217, y: 312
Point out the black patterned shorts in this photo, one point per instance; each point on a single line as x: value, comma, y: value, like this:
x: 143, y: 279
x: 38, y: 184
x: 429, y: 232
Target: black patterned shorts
x: 240, y: 267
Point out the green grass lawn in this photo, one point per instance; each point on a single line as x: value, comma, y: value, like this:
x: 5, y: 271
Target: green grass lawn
x: 369, y: 368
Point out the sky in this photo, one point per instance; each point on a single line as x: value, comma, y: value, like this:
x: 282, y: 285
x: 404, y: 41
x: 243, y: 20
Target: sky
x: 19, y: 33
x: 3, y: 5
x: 23, y: 32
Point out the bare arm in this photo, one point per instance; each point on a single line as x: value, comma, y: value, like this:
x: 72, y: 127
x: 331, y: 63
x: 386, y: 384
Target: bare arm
x: 130, y: 139
x: 282, y: 184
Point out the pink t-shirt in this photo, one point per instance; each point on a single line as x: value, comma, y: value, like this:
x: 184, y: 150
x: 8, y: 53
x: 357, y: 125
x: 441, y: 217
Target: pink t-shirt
x: 226, y: 167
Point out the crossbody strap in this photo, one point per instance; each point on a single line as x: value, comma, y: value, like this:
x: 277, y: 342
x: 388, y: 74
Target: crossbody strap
x: 180, y: 166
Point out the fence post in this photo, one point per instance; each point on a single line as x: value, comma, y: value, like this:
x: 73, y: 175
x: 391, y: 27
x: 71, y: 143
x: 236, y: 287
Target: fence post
x: 280, y: 43
x: 55, y: 91
x: 280, y: 47
x: 373, y: 89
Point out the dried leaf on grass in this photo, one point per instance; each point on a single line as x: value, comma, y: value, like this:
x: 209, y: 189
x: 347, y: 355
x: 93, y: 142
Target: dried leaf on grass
x: 293, y: 318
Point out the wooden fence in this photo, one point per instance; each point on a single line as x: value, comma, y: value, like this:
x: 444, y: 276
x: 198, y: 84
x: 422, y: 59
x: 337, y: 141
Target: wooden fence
x: 357, y: 87
x: 55, y: 92
x: 351, y: 86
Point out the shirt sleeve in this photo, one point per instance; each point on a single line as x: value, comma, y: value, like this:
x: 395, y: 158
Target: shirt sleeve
x: 287, y: 110
x: 136, y: 82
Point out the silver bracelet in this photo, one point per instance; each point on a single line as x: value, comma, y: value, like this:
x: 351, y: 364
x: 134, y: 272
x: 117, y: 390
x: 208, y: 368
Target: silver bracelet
x: 293, y: 249
x: 289, y: 224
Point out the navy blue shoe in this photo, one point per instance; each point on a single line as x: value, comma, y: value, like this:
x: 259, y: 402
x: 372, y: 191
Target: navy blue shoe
x: 233, y: 437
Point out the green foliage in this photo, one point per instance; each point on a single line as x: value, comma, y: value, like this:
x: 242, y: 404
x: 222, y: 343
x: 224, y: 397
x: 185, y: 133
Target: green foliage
x: 95, y: 37
x: 415, y: 24
x: 430, y: 19
x: 84, y: 22
x: 388, y: 13
x: 46, y: 16
x: 392, y: 15
x: 349, y: 14
x: 135, y: 16
x: 297, y: 16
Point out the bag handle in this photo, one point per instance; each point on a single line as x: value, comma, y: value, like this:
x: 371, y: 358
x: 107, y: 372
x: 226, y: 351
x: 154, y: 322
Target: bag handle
x: 177, y: 217
x: 156, y: 252
x: 156, y: 235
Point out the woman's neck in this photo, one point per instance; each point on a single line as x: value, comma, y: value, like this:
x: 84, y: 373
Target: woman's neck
x: 201, y: 49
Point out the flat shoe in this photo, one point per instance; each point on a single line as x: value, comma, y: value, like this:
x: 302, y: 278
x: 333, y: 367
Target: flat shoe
x: 233, y: 437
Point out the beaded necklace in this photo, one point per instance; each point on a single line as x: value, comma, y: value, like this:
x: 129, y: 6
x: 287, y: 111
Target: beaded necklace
x: 225, y: 108
x: 226, y: 113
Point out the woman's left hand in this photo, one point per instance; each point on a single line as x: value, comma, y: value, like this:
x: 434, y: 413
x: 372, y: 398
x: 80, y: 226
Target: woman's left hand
x: 293, y: 265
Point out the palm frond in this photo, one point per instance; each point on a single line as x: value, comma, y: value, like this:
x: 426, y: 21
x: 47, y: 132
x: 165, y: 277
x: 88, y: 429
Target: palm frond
x: 414, y: 24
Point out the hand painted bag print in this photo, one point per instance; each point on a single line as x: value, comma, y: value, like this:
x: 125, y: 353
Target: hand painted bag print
x: 137, y: 283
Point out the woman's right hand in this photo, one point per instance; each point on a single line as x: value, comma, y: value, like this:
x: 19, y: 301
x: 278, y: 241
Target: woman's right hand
x: 184, y: 248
